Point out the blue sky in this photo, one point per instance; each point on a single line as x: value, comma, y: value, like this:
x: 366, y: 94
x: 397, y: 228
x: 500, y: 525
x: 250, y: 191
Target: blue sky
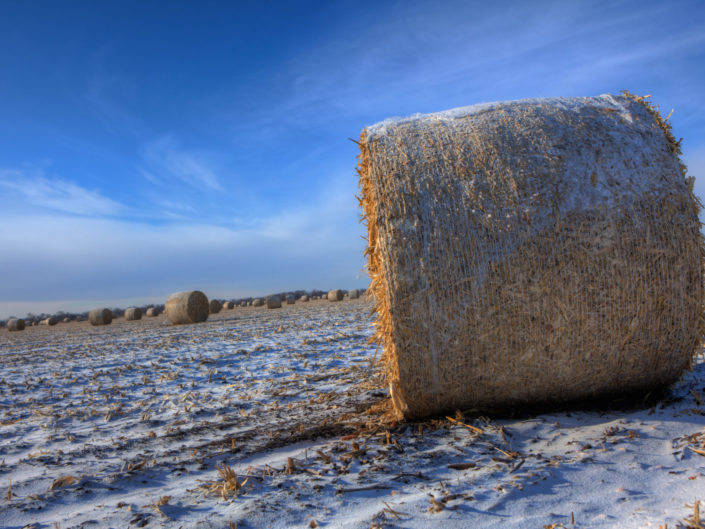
x: 149, y: 147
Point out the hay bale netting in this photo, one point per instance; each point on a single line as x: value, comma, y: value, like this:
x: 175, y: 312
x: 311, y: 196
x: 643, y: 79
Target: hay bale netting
x: 215, y: 306
x: 290, y: 299
x: 100, y: 317
x: 336, y: 295
x: 354, y: 294
x: 152, y: 312
x: 133, y: 313
x: 190, y: 306
x: 15, y: 324
x: 274, y: 302
x: 530, y: 251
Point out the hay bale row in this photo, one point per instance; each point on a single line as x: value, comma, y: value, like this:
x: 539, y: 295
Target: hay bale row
x: 215, y: 306
x: 15, y: 324
x: 153, y: 312
x: 100, y: 317
x: 190, y: 306
x: 274, y: 302
x: 133, y: 313
x: 336, y: 295
x: 530, y: 251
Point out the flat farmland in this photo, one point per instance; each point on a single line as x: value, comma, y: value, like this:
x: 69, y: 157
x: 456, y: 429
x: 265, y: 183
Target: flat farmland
x: 273, y: 418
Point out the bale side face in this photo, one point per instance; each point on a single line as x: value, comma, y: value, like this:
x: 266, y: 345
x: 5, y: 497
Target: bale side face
x: 336, y: 295
x: 15, y: 324
x: 273, y: 302
x: 100, y: 316
x: 133, y: 313
x: 529, y: 252
x: 215, y: 306
x: 190, y: 306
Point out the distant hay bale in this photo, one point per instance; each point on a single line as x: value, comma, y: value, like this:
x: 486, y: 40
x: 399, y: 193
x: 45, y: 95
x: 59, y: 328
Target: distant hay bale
x: 190, y: 306
x: 303, y: 298
x: 66, y: 320
x: 152, y: 312
x: 133, y: 313
x: 15, y: 324
x: 530, y: 251
x: 215, y: 306
x: 290, y: 300
x: 228, y: 305
x: 336, y: 295
x: 257, y: 302
x: 354, y: 294
x: 100, y: 316
x: 274, y: 302
x: 51, y: 321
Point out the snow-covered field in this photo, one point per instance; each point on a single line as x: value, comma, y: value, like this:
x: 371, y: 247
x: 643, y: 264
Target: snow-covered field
x: 273, y: 418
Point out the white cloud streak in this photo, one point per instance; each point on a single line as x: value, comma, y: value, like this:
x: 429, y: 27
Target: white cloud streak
x: 34, y: 188
x: 166, y: 160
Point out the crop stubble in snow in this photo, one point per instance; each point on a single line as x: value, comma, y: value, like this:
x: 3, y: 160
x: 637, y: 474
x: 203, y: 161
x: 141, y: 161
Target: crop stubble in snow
x: 258, y: 418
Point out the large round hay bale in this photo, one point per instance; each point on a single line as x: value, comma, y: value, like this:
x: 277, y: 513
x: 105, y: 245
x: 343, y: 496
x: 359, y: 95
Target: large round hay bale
x: 66, y: 320
x: 228, y: 305
x: 258, y: 302
x: 100, y: 316
x: 304, y: 298
x: 274, y: 302
x: 336, y: 295
x: 51, y: 321
x: 530, y: 251
x: 190, y: 306
x: 15, y: 324
x: 354, y: 294
x: 133, y: 313
x: 290, y: 299
x: 215, y: 306
x: 153, y: 312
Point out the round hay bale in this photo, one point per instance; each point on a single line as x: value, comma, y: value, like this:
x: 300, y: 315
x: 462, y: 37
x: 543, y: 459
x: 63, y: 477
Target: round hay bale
x: 190, y: 306
x: 100, y: 316
x: 229, y: 305
x: 336, y: 295
x: 530, y: 251
x: 290, y: 300
x: 51, y: 321
x: 273, y: 302
x: 15, y: 324
x: 304, y: 298
x: 152, y: 312
x: 354, y: 294
x: 257, y: 302
x: 215, y: 306
x: 133, y: 313
x: 243, y: 304
x: 66, y: 320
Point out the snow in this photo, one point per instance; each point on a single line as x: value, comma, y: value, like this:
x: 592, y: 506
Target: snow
x: 139, y: 411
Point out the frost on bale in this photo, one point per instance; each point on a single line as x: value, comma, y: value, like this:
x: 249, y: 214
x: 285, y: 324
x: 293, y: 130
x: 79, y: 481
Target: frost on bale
x: 190, y: 306
x: 530, y: 251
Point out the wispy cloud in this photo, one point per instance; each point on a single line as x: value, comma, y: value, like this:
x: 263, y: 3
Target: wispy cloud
x: 34, y: 188
x: 166, y: 160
